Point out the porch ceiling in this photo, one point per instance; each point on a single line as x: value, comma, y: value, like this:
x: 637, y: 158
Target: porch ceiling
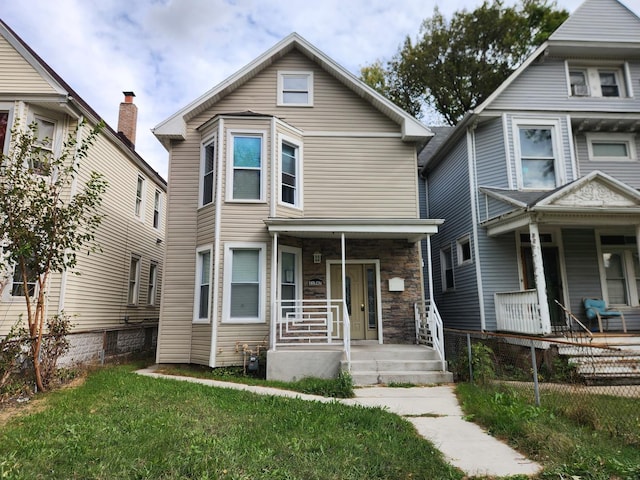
x: 410, y: 229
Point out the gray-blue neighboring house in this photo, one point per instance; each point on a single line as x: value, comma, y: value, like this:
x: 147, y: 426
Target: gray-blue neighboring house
x: 539, y: 185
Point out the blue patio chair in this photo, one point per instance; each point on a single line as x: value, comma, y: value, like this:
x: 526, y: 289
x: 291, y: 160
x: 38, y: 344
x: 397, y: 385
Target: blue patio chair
x: 597, y: 308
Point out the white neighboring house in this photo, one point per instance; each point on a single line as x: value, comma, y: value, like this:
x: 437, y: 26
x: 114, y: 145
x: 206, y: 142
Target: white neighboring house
x: 115, y: 300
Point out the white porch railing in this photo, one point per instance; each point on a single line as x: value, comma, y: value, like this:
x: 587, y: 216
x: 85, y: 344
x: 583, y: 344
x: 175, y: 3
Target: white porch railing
x: 518, y: 312
x: 429, y: 328
x: 315, y: 322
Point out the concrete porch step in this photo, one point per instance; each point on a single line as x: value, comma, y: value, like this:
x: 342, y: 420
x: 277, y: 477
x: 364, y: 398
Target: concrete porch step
x: 409, y: 365
x: 386, y: 377
x: 393, y: 352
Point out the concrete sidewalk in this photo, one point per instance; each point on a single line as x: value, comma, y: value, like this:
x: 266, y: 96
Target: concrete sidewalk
x: 434, y: 411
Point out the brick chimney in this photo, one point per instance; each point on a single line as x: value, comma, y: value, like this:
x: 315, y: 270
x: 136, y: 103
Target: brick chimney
x: 127, y: 119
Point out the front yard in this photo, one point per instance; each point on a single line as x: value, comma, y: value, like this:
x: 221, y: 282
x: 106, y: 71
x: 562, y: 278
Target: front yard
x: 121, y: 425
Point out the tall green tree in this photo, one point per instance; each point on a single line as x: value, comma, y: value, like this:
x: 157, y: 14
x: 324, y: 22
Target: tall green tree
x: 454, y: 64
x: 43, y: 223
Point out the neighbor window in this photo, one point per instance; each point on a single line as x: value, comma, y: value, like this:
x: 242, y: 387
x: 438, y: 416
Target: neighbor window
x: 446, y: 263
x: 245, y: 282
x: 17, y: 286
x: 611, y: 146
x: 134, y: 281
x: 203, y: 285
x: 295, y: 89
x: 621, y: 269
x: 464, y: 250
x: 156, y: 209
x: 208, y: 166
x: 152, y: 285
x: 139, y: 205
x: 597, y: 81
x: 537, y: 162
x: 4, y: 125
x: 290, y: 167
x: 247, y: 167
x: 42, y: 152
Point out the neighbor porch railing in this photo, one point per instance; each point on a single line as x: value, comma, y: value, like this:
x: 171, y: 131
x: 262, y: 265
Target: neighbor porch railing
x: 312, y: 322
x: 518, y: 312
x: 429, y: 328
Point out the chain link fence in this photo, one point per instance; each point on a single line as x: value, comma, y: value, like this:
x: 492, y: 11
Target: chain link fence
x: 592, y: 380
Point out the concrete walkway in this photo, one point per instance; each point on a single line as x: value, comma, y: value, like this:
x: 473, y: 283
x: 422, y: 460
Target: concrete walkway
x: 434, y: 411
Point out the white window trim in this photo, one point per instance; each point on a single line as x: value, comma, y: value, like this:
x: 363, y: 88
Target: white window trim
x: 203, y: 159
x: 143, y: 195
x: 447, y: 252
x: 462, y: 240
x: 6, y: 294
x: 196, y: 293
x: 282, y: 74
x: 592, y: 71
x: 7, y: 107
x: 558, y: 150
x: 629, y: 279
x: 230, y: 168
x: 298, y: 204
x: 298, y: 272
x: 228, y: 268
x: 627, y: 138
x: 136, y: 295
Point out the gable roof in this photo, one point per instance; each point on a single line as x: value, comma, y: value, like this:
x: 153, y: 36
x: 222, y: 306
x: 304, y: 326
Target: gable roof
x: 174, y: 127
x: 68, y: 99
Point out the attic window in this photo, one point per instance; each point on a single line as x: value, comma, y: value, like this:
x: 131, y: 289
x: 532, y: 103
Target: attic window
x: 295, y: 89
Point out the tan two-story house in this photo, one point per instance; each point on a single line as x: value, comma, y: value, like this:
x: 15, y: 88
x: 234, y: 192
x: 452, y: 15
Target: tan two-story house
x: 113, y: 294
x: 293, y: 221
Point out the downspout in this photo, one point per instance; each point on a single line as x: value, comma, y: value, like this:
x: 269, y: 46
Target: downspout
x: 274, y: 170
x: 216, y: 247
x: 72, y: 192
x: 344, y: 280
x: 471, y: 148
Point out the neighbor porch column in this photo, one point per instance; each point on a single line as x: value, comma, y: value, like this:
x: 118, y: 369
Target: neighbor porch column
x: 541, y: 284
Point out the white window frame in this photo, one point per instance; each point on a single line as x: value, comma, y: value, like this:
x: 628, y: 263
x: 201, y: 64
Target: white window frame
x: 627, y: 251
x: 8, y: 291
x: 447, y: 253
x: 139, y: 206
x: 298, y: 198
x: 614, y: 138
x: 554, y: 126
x: 229, y: 247
x: 209, y: 142
x: 198, y: 284
x: 8, y: 108
x: 152, y: 285
x: 295, y: 73
x: 460, y: 243
x: 133, y: 296
x: 231, y: 134
x: 592, y: 71
x: 157, y: 209
x: 55, y: 140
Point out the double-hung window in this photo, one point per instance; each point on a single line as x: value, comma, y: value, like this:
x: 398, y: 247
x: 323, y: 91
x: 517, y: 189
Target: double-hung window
x: 446, y: 264
x: 18, y: 284
x: 620, y: 269
x: 291, y: 173
x: 245, y: 282
x: 207, y: 173
x: 152, y: 285
x: 597, y: 81
x: 295, y: 89
x: 157, y: 198
x: 247, y: 166
x: 536, y: 156
x: 42, y: 153
x: 139, y: 204
x: 134, y: 280
x: 202, y: 299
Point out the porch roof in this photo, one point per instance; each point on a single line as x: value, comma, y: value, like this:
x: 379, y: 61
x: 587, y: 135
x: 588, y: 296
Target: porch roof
x: 596, y: 199
x: 411, y: 229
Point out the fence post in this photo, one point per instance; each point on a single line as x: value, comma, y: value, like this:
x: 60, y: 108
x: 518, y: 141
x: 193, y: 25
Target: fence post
x: 470, y: 357
x: 534, y: 364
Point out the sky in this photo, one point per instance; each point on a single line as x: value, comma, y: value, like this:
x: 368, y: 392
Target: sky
x: 169, y: 52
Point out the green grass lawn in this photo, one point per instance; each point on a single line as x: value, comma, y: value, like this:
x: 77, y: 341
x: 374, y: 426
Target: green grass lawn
x: 119, y: 425
x: 567, y: 438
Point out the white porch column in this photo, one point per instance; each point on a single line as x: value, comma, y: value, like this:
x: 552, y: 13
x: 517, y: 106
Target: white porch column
x: 541, y: 284
x: 274, y: 289
x: 430, y: 268
x: 344, y: 286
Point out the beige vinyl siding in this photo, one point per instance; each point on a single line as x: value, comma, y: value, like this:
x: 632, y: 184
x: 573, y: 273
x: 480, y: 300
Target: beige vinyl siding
x: 201, y: 344
x: 98, y: 296
x: 359, y: 177
x: 17, y: 75
x: 176, y: 312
